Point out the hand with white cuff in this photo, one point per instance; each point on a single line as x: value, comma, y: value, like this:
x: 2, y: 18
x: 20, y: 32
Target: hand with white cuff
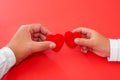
x: 29, y: 39
x: 93, y: 41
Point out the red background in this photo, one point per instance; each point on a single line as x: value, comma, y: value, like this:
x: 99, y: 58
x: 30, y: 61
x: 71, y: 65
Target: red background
x: 60, y: 16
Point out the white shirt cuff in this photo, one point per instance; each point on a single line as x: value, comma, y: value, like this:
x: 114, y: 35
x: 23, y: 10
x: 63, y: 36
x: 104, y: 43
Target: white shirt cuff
x: 7, y: 60
x: 114, y: 50
x: 10, y: 55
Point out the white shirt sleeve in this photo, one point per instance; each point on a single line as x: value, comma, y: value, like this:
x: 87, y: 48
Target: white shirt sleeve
x: 114, y: 50
x: 7, y: 60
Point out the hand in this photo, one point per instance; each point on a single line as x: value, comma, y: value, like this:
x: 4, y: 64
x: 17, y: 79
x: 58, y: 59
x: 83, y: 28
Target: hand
x: 29, y: 39
x: 93, y: 41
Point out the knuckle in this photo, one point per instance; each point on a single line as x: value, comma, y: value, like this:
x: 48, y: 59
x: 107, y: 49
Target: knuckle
x: 23, y: 26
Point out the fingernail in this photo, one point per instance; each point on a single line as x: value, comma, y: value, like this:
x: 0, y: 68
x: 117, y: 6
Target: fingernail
x: 52, y: 45
x: 76, y: 40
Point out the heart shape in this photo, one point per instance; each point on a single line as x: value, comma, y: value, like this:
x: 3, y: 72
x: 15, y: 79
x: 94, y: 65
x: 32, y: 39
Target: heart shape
x: 58, y: 39
x: 69, y: 38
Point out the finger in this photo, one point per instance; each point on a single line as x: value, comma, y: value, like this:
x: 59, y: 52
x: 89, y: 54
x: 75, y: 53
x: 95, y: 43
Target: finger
x: 84, y: 49
x: 85, y: 31
x: 37, y: 39
x: 39, y: 35
x: 41, y: 46
x: 90, y: 50
x: 83, y: 42
x: 42, y: 37
x: 36, y: 35
x: 38, y: 28
x: 45, y: 31
x: 81, y: 29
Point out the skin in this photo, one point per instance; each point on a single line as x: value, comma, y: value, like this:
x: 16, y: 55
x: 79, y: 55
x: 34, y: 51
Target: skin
x: 28, y: 40
x: 93, y: 41
x: 31, y: 38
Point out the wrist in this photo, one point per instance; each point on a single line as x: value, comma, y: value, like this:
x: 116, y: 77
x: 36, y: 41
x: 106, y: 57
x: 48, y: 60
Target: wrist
x: 108, y: 48
x: 15, y: 54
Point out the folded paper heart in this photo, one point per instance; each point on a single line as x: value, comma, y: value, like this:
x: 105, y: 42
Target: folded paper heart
x: 68, y: 38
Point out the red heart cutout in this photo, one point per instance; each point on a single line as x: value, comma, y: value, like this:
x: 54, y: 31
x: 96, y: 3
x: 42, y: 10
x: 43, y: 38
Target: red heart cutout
x: 69, y: 38
x: 58, y: 39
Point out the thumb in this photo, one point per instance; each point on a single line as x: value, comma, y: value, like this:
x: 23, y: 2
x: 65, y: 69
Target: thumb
x: 83, y: 42
x: 41, y: 46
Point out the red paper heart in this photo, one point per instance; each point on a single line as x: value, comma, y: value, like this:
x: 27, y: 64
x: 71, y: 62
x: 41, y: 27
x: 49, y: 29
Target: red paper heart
x: 69, y: 38
x: 58, y: 39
